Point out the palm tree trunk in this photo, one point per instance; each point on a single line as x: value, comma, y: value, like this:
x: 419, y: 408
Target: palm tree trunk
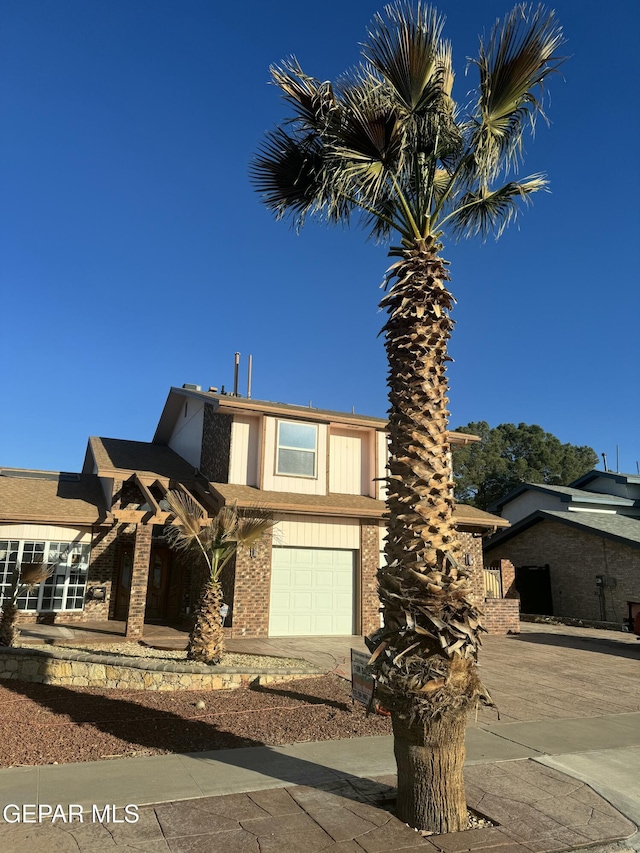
x: 206, y: 641
x: 8, y: 630
x: 431, y: 786
x: 427, y: 649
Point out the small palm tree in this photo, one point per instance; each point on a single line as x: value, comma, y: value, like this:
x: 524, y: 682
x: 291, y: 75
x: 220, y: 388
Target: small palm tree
x: 387, y: 144
x: 26, y: 576
x: 217, y: 540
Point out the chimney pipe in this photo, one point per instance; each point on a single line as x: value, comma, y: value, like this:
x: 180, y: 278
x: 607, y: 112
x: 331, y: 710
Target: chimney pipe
x: 249, y: 377
x: 604, y: 459
x: 235, y: 374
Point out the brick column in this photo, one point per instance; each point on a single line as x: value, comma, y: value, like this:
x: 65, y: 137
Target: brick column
x: 508, y: 573
x: 252, y: 590
x: 472, y: 544
x: 369, y: 562
x: 139, y: 580
x: 102, y: 570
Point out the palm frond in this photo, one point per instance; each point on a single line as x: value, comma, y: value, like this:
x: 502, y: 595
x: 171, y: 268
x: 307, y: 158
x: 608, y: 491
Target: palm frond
x: 403, y: 46
x: 313, y: 102
x: 486, y: 212
x: 188, y: 515
x: 253, y: 524
x: 288, y: 174
x: 368, y: 145
x: 31, y: 574
x: 513, y: 64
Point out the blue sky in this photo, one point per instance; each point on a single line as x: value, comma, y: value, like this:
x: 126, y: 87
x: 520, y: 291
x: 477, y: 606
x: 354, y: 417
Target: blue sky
x: 134, y: 254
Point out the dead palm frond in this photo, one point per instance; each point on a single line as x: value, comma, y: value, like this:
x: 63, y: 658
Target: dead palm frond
x: 217, y: 538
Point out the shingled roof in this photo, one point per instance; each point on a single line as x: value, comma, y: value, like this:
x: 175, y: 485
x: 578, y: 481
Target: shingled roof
x: 354, y: 506
x: 621, y: 528
x: 50, y: 496
x: 119, y: 456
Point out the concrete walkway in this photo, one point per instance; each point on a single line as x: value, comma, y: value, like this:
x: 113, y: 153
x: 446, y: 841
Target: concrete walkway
x: 536, y: 809
x: 571, y: 715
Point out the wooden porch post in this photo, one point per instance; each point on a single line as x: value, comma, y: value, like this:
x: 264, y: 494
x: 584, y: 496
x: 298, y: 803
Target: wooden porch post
x: 139, y: 580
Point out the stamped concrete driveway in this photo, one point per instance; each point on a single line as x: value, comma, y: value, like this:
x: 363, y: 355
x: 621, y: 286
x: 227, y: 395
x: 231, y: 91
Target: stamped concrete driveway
x: 545, y: 672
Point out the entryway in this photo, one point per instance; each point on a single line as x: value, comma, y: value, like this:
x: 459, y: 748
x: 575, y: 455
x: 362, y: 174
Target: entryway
x: 164, y: 587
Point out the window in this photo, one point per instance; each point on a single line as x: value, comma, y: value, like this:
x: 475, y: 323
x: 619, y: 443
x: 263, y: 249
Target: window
x: 297, y: 445
x: 64, y: 590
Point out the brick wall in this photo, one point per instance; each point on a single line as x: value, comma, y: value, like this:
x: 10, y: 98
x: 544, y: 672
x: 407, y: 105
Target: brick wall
x: 368, y: 583
x: 501, y: 615
x: 102, y: 567
x: 216, y: 445
x: 575, y: 557
x: 471, y: 544
x: 252, y: 590
x: 139, y: 580
x: 102, y: 570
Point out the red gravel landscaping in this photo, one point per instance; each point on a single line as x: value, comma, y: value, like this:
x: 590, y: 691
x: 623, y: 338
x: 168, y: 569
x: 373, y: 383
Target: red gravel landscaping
x: 46, y: 724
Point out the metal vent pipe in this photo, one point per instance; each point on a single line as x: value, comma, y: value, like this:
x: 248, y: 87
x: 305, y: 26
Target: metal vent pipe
x: 235, y: 374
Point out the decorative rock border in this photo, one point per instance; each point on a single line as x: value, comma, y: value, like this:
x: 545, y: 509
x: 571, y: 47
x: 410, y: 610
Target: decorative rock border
x: 80, y: 669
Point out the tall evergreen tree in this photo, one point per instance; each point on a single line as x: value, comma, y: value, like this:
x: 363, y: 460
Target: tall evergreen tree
x: 387, y: 145
x: 509, y: 455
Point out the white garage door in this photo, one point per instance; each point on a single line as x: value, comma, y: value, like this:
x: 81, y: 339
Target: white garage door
x: 311, y: 592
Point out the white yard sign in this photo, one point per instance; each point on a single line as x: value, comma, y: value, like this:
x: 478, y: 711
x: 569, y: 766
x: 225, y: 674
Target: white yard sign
x: 362, y: 683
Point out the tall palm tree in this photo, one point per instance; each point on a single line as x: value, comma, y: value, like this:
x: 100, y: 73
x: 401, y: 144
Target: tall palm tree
x: 217, y: 540
x: 388, y: 145
x: 25, y: 576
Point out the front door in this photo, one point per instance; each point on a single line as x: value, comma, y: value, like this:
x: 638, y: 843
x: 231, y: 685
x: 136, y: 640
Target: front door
x: 158, y: 585
x: 123, y: 587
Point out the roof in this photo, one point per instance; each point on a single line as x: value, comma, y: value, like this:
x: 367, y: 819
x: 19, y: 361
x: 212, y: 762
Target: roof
x: 354, y: 506
x: 613, y: 475
x: 50, y: 496
x: 472, y: 516
x: 621, y: 528
x: 566, y: 493
x: 117, y: 456
x: 248, y: 405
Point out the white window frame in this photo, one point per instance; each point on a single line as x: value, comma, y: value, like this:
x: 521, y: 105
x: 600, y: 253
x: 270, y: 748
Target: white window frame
x: 81, y: 550
x: 280, y: 446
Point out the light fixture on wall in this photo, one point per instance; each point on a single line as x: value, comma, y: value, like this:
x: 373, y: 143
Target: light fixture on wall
x: 468, y: 559
x: 252, y: 552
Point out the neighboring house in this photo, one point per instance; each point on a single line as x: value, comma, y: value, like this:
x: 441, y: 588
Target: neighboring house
x: 321, y: 473
x: 576, y: 549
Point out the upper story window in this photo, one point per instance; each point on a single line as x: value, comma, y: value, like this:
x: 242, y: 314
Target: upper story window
x: 297, y: 449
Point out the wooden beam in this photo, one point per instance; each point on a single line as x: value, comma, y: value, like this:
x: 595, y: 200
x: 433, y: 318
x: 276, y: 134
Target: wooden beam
x: 186, y: 491
x: 153, y: 503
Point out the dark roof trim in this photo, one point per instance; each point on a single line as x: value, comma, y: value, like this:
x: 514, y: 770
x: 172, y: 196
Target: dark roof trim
x: 563, y: 518
x: 617, y: 477
x: 565, y: 493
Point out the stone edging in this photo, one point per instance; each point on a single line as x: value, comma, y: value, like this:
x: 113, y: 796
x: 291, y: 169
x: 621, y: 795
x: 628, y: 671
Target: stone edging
x: 83, y: 669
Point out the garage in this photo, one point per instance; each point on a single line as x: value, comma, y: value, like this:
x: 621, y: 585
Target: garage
x: 311, y: 592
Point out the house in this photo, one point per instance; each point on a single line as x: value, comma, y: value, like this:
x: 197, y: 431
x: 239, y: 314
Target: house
x: 576, y: 549
x: 321, y: 474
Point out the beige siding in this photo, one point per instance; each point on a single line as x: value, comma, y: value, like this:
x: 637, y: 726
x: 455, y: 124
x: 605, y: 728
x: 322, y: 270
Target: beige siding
x: 283, y: 483
x: 186, y: 438
x: 347, y: 467
x: 45, y: 532
x: 316, y: 532
x: 382, y: 454
x: 245, y: 450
